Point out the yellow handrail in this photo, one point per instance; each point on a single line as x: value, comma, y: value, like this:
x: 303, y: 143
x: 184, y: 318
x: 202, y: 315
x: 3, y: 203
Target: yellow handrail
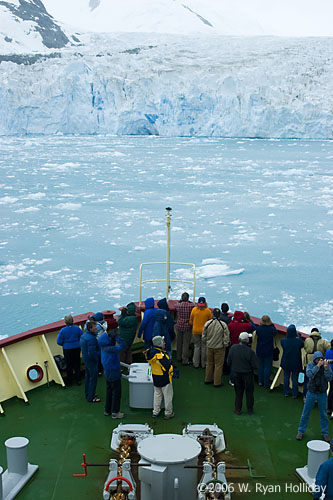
x: 192, y: 282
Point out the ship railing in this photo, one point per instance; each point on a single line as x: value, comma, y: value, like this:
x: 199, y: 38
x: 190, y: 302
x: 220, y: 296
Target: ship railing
x: 167, y: 280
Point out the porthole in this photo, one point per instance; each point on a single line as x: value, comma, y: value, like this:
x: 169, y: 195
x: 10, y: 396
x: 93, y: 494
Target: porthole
x: 35, y: 373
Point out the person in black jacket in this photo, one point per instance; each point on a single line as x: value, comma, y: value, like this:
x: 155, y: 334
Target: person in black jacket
x: 243, y: 362
x: 291, y: 361
x: 225, y: 316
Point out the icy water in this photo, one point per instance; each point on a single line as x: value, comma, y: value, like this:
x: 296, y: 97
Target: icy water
x: 79, y: 215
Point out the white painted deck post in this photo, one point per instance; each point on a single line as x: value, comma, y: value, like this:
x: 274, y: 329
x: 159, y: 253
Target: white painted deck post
x: 1, y: 471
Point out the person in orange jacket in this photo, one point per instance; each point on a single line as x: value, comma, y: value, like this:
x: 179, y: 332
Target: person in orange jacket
x: 199, y: 315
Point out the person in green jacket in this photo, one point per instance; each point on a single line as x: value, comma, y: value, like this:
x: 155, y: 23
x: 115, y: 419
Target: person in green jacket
x: 127, y: 324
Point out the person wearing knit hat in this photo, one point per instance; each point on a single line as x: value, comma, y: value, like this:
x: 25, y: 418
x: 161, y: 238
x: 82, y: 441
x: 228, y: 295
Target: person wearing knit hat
x: 162, y: 373
x: 319, y: 374
x: 158, y: 341
x: 199, y: 315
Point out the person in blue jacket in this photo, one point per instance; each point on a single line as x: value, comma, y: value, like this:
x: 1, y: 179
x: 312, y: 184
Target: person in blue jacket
x: 266, y: 332
x: 319, y: 375
x: 90, y: 355
x: 291, y: 360
x: 69, y: 339
x: 147, y: 323
x: 324, y: 479
x: 164, y: 325
x: 101, y: 327
x: 329, y: 358
x: 111, y: 344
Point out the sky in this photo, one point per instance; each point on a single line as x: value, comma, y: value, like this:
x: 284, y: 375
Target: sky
x: 229, y: 17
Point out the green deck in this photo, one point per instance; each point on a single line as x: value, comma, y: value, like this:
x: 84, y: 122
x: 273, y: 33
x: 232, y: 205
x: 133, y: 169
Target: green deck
x: 61, y: 425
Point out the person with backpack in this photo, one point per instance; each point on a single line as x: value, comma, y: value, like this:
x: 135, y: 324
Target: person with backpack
x: 312, y: 344
x: 216, y: 337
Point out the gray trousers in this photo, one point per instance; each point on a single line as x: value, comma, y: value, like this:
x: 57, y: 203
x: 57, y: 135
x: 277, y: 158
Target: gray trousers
x: 199, y: 352
x: 183, y: 345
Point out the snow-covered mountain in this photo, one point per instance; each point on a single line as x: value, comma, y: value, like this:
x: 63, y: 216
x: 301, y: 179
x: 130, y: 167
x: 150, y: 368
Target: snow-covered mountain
x: 26, y: 26
x: 217, y: 17
x: 174, y: 86
x: 194, y: 83
x: 158, y: 16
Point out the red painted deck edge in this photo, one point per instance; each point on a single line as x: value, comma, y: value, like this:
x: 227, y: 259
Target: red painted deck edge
x: 41, y: 330
x: 82, y: 318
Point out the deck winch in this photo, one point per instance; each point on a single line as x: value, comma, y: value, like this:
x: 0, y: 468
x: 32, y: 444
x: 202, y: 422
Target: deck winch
x: 120, y: 484
x: 167, y: 466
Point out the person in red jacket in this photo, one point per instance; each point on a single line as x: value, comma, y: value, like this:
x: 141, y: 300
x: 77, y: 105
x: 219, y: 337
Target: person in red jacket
x: 236, y: 326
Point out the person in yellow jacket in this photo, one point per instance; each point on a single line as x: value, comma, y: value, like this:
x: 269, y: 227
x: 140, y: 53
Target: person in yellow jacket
x: 199, y: 316
x: 162, y: 372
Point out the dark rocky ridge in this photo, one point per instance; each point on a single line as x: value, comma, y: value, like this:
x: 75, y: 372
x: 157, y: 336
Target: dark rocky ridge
x: 33, y: 10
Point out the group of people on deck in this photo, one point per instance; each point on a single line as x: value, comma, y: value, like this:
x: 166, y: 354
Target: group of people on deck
x: 219, y: 339
x: 221, y: 342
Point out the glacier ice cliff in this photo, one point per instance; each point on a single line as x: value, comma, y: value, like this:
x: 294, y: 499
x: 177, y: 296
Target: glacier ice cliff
x: 174, y: 86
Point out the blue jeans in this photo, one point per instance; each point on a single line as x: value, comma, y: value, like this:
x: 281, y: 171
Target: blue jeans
x: 90, y: 379
x: 265, y: 370
x: 294, y: 380
x: 305, y: 385
x: 311, y: 398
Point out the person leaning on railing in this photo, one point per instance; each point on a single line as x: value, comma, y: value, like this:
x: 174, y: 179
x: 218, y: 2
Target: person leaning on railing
x: 183, y: 328
x: 69, y: 339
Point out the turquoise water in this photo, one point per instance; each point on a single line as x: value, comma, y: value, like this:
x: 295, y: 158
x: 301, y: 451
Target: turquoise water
x: 79, y: 215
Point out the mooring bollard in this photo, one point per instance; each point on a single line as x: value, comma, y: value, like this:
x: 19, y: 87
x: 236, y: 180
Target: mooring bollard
x: 17, y: 455
x: 19, y: 471
x: 317, y: 454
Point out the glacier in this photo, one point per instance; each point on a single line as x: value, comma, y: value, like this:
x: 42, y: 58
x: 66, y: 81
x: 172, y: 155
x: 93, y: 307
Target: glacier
x: 173, y: 85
